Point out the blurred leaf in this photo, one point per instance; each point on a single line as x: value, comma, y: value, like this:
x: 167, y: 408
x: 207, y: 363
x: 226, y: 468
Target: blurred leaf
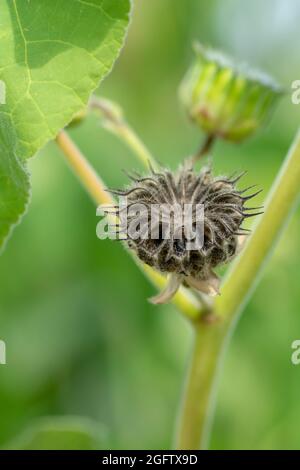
x: 51, y: 59
x: 66, y: 433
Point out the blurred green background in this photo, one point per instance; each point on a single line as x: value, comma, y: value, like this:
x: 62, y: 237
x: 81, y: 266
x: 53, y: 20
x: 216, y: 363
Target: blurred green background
x: 81, y: 338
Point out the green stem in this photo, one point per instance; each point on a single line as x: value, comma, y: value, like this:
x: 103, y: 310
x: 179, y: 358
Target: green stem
x: 197, y: 407
x: 245, y: 272
x: 114, y: 121
x: 210, y: 340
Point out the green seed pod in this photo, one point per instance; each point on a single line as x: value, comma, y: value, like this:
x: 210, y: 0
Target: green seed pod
x: 227, y: 100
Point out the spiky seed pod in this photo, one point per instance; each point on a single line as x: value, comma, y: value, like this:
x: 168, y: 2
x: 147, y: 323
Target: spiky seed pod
x: 224, y: 214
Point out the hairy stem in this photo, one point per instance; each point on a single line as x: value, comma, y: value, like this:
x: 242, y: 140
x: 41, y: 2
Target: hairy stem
x: 185, y: 300
x: 210, y: 340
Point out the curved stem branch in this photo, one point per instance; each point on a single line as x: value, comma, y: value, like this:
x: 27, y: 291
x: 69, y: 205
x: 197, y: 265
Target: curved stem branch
x: 83, y: 170
x: 114, y: 121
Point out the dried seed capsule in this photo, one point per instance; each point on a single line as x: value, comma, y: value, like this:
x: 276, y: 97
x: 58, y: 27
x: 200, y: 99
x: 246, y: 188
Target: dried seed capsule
x: 227, y: 100
x: 168, y: 246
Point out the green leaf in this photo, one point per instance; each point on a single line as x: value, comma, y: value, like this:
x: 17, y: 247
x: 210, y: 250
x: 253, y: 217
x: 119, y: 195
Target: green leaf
x: 14, y: 181
x: 61, y: 433
x: 53, y: 54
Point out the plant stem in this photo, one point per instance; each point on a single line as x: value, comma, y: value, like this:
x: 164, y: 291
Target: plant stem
x: 280, y: 205
x: 185, y: 300
x: 114, y: 121
x: 83, y: 170
x: 197, y: 407
x: 205, y: 147
x: 210, y: 340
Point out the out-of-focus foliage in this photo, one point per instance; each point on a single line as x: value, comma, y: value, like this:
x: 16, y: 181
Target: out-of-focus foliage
x: 63, y: 433
x: 81, y: 338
